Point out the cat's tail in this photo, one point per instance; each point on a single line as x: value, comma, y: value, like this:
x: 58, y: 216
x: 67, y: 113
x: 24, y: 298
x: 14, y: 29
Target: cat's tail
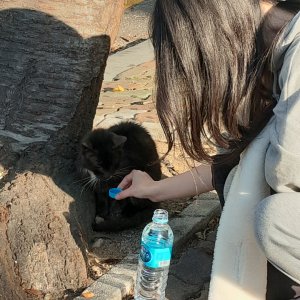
x: 122, y: 223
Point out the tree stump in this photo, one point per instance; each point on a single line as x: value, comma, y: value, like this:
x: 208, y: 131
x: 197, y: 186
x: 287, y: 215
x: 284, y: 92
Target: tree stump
x: 52, y: 59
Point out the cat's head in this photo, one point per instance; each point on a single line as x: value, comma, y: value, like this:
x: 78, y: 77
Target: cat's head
x: 101, y: 152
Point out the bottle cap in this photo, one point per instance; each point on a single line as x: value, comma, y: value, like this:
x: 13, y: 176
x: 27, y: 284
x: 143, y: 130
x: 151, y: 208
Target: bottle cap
x: 160, y: 216
x: 114, y: 192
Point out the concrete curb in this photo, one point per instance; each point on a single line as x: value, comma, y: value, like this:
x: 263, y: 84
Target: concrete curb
x: 119, y: 281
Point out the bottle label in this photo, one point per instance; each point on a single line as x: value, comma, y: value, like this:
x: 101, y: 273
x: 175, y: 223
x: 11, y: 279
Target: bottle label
x: 155, y: 257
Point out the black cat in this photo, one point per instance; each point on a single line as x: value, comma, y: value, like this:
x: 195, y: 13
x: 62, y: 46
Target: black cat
x: 107, y: 155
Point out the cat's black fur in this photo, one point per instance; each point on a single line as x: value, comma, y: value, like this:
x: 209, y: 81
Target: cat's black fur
x: 108, y: 155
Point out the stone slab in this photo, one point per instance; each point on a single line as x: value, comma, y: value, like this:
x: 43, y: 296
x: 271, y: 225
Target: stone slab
x: 97, y: 120
x: 184, y: 228
x: 124, y: 114
x: 103, y: 291
x: 156, y: 131
x: 178, y: 290
x: 128, y: 58
x: 108, y: 121
x: 200, y: 208
x: 194, y: 267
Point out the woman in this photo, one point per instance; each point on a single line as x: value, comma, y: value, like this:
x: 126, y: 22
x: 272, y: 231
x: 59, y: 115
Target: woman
x: 228, y: 76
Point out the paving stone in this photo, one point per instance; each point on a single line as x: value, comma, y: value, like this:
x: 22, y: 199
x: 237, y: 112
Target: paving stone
x: 127, y: 266
x: 208, y: 196
x: 141, y: 95
x: 201, y: 208
x: 118, y: 97
x: 134, y: 93
x: 178, y: 290
x: 97, y: 120
x: 101, y: 111
x: 204, y: 292
x: 145, y: 95
x: 145, y: 70
x: 103, y: 291
x: 130, y: 85
x: 194, y: 267
x: 212, y: 236
x: 108, y: 121
x: 206, y: 246
x: 184, y: 228
x: 128, y: 58
x: 155, y: 131
x: 143, y: 105
x: 115, y: 102
x: 120, y: 281
x: 113, y: 87
x: 124, y: 113
x: 150, y: 116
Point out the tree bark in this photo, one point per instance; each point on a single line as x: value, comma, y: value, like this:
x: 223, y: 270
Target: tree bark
x: 52, y: 59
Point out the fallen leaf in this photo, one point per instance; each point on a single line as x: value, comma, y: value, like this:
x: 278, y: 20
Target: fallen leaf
x: 129, y: 3
x: 88, y: 295
x: 118, y: 88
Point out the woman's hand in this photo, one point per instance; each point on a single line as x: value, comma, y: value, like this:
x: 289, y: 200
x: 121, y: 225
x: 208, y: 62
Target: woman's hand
x: 138, y: 184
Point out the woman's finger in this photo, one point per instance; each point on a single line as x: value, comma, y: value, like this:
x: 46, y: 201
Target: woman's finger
x: 124, y: 194
x: 126, y: 182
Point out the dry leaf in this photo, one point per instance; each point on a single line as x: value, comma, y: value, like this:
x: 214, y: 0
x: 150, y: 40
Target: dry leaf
x: 118, y: 88
x: 88, y: 295
x: 129, y: 3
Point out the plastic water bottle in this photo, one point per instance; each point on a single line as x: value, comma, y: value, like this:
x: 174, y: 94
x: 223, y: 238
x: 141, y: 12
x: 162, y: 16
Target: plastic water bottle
x: 154, y: 260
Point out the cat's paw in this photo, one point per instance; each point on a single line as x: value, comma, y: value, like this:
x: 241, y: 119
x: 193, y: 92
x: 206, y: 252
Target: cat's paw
x: 99, y: 220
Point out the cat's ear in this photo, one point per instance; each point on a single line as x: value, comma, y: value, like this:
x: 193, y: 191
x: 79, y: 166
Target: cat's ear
x: 118, y: 140
x: 86, y: 146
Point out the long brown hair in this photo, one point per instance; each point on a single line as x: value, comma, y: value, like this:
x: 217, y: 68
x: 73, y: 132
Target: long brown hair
x: 209, y: 64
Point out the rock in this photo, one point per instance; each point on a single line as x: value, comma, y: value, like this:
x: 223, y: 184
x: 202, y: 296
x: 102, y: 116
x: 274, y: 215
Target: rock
x: 48, y: 297
x: 96, y: 271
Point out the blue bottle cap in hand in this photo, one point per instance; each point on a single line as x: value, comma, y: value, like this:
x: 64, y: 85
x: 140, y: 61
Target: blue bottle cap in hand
x: 114, y: 192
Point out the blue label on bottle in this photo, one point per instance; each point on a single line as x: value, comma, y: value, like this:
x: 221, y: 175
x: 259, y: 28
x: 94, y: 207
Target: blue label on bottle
x: 155, y: 257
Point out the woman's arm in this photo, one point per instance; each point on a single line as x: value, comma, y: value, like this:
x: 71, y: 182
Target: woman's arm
x: 140, y: 185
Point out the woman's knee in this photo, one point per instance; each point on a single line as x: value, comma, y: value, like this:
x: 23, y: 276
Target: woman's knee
x: 265, y: 224
x: 278, y: 230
